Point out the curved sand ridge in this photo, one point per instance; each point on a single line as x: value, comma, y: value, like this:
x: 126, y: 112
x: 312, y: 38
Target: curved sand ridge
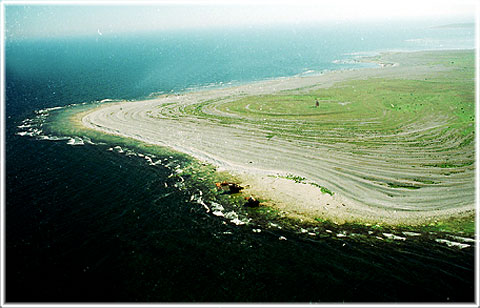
x: 383, y: 166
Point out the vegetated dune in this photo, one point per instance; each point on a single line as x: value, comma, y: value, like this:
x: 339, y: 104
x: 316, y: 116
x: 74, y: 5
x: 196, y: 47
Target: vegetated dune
x: 394, y: 144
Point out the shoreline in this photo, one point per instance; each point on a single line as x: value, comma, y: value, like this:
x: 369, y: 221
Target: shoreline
x: 163, y: 121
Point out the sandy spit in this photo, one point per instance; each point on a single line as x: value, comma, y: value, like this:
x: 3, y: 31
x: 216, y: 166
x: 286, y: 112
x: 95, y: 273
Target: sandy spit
x: 244, y: 151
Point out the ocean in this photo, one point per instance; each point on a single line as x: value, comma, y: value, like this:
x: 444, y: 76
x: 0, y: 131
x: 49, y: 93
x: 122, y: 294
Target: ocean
x: 92, y: 220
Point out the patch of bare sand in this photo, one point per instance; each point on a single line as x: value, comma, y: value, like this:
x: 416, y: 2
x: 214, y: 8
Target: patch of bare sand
x: 307, y: 203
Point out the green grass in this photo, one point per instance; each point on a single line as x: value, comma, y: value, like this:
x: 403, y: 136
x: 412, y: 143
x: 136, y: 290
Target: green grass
x: 299, y: 179
x: 322, y: 189
x: 392, y: 103
x: 296, y: 178
x: 366, y: 107
x: 400, y: 185
x: 451, y: 165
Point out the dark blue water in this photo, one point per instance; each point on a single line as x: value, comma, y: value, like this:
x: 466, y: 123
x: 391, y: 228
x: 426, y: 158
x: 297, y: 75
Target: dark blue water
x: 88, y: 224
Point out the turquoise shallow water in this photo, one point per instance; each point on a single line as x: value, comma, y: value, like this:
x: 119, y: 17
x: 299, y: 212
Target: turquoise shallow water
x: 86, y: 223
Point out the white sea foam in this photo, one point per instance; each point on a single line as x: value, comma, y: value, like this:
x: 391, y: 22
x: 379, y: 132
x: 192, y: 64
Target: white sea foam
x: 462, y: 239
x: 46, y: 110
x: 451, y: 243
x: 75, y: 141
x: 150, y: 161
x: 217, y: 213
x: 52, y: 138
x: 200, y: 201
x: 217, y: 209
x: 130, y: 153
x: 88, y: 140
x: 407, y: 233
x: 394, y: 237
x: 217, y: 206
x: 233, y: 217
x: 307, y: 73
x: 53, y: 108
x: 345, y: 61
x: 31, y: 132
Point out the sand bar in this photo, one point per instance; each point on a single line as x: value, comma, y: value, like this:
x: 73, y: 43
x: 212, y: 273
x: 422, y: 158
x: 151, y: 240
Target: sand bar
x: 240, y: 146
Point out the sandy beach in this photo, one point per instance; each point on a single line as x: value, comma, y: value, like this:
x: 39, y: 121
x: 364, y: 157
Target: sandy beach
x: 194, y: 123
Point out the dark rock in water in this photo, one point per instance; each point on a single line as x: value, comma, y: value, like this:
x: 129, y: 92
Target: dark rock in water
x: 231, y: 187
x: 252, y: 202
x: 235, y: 188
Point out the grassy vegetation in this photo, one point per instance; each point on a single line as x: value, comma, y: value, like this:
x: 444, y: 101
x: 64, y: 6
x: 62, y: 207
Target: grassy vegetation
x: 400, y: 185
x: 322, y: 189
x: 296, y: 178
x: 363, y: 107
x: 351, y: 110
x: 299, y: 179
